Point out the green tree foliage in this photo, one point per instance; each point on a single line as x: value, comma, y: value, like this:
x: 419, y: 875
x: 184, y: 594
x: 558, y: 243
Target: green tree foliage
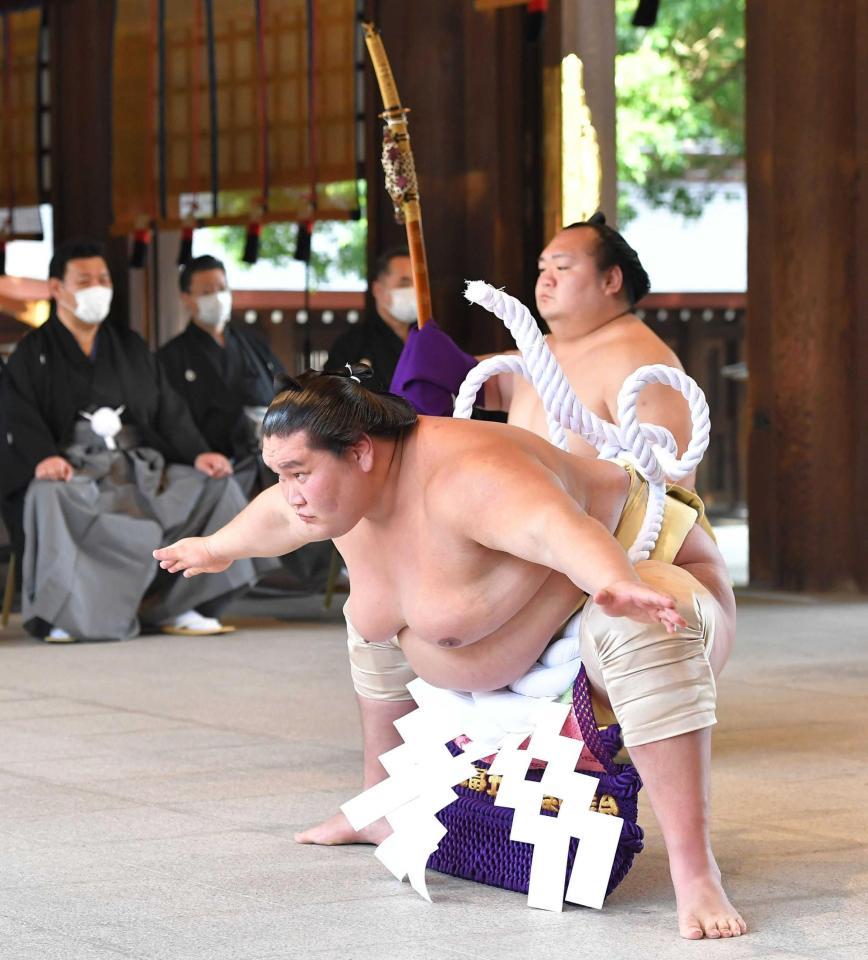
x: 337, y: 250
x: 680, y: 96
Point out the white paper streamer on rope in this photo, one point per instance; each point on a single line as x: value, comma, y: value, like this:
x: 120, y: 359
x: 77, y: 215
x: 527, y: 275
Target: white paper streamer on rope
x: 422, y: 774
x: 598, y: 833
x: 652, y: 449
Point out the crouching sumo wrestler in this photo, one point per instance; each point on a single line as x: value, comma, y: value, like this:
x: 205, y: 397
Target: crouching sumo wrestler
x: 468, y: 545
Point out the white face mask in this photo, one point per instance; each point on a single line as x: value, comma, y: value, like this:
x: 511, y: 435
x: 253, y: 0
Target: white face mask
x: 402, y: 304
x: 92, y: 304
x: 215, y: 309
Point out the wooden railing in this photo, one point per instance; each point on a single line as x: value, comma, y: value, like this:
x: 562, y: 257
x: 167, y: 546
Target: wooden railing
x: 707, y: 332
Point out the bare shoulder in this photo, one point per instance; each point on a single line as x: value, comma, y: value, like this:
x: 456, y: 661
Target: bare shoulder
x: 464, y: 448
x: 632, y: 344
x: 485, y: 471
x: 472, y: 464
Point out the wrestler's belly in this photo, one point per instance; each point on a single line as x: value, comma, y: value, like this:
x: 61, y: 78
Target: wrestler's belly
x: 502, y: 655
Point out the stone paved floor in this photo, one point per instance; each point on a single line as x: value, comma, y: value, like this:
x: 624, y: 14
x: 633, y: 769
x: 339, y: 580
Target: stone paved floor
x: 149, y: 791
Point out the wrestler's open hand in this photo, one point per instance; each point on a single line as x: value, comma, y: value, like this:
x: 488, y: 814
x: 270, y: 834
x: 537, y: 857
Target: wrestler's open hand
x: 54, y: 468
x: 191, y: 555
x: 633, y: 599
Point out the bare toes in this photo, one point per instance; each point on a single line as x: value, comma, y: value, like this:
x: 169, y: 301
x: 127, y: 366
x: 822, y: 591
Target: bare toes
x: 691, y: 930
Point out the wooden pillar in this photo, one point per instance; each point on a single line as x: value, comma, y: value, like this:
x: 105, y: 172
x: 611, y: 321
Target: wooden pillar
x: 81, y: 185
x: 472, y: 80
x: 588, y: 31
x: 859, y: 463
x: 807, y: 112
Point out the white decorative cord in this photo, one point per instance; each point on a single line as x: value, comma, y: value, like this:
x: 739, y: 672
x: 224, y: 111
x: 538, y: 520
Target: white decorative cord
x: 507, y: 363
x: 652, y: 449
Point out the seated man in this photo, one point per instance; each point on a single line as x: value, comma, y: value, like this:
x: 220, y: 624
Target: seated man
x: 590, y: 280
x: 379, y: 339
x: 224, y: 372
x: 108, y: 463
x: 226, y: 375
x: 475, y: 608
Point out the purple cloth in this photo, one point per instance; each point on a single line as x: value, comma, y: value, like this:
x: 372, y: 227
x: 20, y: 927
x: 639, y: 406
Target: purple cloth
x: 430, y: 370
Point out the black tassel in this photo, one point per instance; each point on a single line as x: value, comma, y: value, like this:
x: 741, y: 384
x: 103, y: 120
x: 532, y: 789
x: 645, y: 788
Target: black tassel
x: 251, y: 242
x: 646, y: 13
x: 535, y: 19
x: 141, y: 245
x: 185, y: 252
x: 302, y: 241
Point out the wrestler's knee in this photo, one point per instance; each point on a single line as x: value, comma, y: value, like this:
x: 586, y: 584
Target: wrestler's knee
x: 689, y: 594
x: 659, y: 684
x: 379, y: 670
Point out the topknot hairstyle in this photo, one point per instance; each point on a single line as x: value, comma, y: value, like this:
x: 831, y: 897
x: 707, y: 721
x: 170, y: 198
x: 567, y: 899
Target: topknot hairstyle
x: 335, y: 409
x: 614, y: 251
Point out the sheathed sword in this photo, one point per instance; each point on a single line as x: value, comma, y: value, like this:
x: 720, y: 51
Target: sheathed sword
x: 400, y: 170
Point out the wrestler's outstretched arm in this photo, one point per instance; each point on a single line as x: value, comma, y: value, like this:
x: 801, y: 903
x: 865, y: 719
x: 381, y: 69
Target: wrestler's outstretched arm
x: 547, y: 527
x: 266, y: 527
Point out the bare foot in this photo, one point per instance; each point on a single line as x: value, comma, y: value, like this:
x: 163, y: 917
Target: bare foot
x: 704, y: 909
x: 337, y: 830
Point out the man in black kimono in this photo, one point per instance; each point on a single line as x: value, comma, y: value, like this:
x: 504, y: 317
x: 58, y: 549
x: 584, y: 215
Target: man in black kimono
x: 108, y: 462
x: 224, y: 372
x: 379, y: 339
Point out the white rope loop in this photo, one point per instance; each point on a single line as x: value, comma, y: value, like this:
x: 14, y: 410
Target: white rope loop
x: 488, y: 368
x: 650, y: 447
x: 545, y: 372
x: 660, y: 455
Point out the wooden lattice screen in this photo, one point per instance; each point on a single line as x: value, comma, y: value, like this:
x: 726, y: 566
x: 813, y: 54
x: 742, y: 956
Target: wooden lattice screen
x: 185, y: 69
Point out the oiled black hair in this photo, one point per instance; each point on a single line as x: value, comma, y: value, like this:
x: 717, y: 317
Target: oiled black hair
x: 614, y: 251
x: 335, y: 409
